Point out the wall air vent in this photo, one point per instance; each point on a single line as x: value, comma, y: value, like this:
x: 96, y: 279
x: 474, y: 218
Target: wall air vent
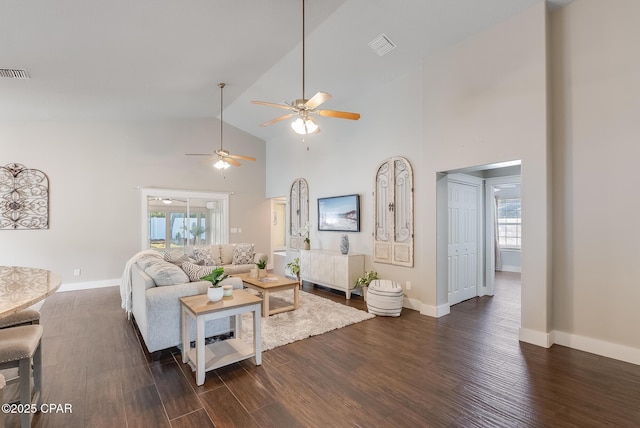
x: 14, y: 73
x: 382, y: 45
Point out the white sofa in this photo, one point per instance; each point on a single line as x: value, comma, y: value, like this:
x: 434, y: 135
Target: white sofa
x: 155, y: 302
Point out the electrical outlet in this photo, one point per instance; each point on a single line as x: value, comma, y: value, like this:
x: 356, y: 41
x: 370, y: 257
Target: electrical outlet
x: 408, y: 285
x: 76, y: 272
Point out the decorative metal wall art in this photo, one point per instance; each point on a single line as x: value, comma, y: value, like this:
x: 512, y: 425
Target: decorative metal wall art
x: 24, y: 198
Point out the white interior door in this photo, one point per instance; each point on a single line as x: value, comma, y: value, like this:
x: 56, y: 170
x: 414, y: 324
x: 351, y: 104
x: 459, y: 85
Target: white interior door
x: 463, y: 242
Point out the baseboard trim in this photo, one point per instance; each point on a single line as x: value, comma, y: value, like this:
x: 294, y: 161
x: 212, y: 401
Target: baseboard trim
x: 410, y: 303
x: 535, y: 337
x: 598, y: 347
x: 508, y: 268
x: 75, y: 286
x: 435, y: 311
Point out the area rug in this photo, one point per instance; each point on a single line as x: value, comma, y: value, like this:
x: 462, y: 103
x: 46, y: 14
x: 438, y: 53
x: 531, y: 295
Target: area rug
x: 315, y: 316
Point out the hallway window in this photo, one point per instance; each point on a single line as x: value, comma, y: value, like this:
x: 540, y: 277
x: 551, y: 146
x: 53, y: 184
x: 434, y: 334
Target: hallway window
x: 509, y: 223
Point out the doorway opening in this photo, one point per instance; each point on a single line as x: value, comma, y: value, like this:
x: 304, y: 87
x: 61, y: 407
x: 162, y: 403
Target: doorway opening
x: 473, y: 237
x: 278, y: 234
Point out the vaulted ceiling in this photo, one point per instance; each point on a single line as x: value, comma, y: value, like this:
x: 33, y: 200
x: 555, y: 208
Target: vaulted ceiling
x: 123, y: 59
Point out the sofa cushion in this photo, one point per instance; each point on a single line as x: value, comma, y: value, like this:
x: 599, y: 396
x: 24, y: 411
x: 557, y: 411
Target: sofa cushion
x: 208, y: 255
x: 243, y: 254
x: 226, y: 253
x: 195, y: 272
x: 165, y: 273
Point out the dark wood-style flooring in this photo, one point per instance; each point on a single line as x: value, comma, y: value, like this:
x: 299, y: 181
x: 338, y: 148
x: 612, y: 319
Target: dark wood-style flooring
x: 466, y: 369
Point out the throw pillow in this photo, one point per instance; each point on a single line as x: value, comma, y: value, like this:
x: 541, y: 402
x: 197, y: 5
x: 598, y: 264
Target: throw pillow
x: 164, y: 273
x: 226, y: 254
x: 209, y: 255
x: 243, y: 254
x: 149, y: 259
x: 195, y: 272
x: 175, y: 256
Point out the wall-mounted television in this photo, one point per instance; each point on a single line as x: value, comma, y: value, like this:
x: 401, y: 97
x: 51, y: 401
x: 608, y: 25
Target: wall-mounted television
x: 339, y: 213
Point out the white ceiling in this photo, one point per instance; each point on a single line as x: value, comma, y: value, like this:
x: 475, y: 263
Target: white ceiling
x: 163, y: 58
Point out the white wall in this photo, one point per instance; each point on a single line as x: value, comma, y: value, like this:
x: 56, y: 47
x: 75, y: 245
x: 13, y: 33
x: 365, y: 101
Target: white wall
x: 596, y: 106
x: 94, y: 169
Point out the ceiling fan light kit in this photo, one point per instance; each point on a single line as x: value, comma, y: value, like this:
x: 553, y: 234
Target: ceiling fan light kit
x: 221, y: 164
x: 305, y: 126
x: 303, y: 107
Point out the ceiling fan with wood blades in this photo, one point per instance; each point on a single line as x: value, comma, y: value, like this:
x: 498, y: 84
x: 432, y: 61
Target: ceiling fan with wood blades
x: 224, y: 158
x: 305, y: 108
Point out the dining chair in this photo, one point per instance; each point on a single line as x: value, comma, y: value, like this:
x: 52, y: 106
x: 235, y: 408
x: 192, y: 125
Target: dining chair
x: 23, y: 317
x: 20, y: 347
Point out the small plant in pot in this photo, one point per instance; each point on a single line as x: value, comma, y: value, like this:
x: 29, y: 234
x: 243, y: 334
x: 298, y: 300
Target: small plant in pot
x: 307, y: 241
x: 215, y: 292
x: 364, y: 281
x: 262, y: 268
x: 294, y: 268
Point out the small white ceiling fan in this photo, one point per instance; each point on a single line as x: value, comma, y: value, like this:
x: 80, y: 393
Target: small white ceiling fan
x: 224, y: 158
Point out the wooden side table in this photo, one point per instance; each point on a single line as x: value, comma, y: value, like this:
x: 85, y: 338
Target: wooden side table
x: 271, y: 284
x: 201, y: 309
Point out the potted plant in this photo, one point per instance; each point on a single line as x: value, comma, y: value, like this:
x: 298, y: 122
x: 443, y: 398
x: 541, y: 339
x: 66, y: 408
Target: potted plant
x: 262, y: 268
x: 364, y: 281
x: 294, y: 268
x: 307, y: 241
x: 215, y: 291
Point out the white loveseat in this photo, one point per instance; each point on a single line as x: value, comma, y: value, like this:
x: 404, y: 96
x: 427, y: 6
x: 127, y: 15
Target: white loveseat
x: 157, y: 285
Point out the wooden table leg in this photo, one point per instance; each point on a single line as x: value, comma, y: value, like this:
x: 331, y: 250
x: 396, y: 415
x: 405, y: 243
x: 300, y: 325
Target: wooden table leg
x: 186, y: 323
x: 265, y: 303
x: 296, y: 298
x: 200, y: 351
x: 238, y: 326
x: 257, y: 334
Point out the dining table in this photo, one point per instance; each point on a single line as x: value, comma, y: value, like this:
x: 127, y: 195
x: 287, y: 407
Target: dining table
x: 21, y: 287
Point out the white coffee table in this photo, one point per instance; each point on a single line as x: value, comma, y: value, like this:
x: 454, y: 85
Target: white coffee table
x: 200, y: 309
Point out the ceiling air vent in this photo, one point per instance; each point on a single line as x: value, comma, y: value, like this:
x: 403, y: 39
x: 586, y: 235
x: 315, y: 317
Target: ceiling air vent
x: 382, y: 45
x: 14, y: 73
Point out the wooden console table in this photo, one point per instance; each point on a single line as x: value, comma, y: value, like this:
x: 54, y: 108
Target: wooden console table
x: 331, y: 269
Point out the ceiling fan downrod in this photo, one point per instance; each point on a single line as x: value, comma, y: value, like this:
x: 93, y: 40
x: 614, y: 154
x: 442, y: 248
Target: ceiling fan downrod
x: 303, y: 53
x: 221, y: 86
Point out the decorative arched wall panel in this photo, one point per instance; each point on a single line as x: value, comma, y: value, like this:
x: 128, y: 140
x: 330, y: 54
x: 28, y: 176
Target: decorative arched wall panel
x: 298, y: 213
x: 24, y: 198
x: 393, y: 198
